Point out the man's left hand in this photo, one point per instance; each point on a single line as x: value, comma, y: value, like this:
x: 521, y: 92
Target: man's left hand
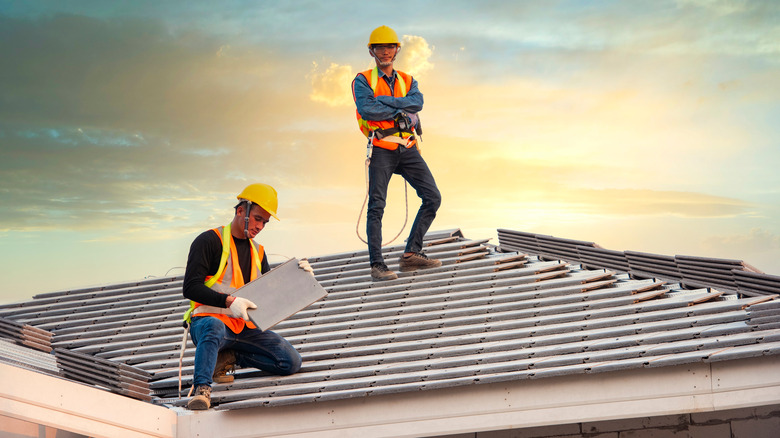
x: 239, y: 307
x: 304, y: 264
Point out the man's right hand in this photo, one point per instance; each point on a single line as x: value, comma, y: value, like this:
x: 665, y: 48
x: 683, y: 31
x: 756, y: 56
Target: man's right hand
x: 239, y: 306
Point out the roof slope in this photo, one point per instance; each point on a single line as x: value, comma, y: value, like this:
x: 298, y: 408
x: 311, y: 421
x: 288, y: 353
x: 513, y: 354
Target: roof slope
x: 488, y: 314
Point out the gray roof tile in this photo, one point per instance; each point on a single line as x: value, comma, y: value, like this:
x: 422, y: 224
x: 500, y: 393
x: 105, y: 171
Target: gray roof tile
x: 488, y: 314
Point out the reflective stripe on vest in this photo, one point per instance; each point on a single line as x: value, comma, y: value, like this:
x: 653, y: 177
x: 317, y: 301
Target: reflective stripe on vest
x: 228, y: 278
x: 381, y: 88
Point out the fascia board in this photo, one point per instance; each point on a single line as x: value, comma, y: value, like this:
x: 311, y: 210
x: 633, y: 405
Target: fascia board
x: 70, y: 406
x: 697, y: 387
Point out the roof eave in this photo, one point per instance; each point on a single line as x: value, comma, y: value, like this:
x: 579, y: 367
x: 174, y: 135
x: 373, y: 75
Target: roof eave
x: 66, y: 405
x: 647, y: 392
x: 576, y: 398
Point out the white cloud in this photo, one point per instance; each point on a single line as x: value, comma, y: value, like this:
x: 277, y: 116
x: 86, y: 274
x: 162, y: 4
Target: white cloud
x: 720, y: 7
x: 756, y: 240
x: 332, y: 86
x: 414, y: 56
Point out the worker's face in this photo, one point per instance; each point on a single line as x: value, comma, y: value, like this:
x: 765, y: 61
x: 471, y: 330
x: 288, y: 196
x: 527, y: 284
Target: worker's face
x: 384, y: 53
x: 258, y: 218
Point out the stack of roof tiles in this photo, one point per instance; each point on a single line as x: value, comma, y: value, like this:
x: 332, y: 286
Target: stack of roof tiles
x: 25, y: 334
x: 728, y: 275
x: 113, y: 376
x: 26, y: 346
x: 530, y: 308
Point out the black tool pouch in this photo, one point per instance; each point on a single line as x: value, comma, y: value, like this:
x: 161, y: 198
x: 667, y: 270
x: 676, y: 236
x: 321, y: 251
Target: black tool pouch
x: 403, y: 123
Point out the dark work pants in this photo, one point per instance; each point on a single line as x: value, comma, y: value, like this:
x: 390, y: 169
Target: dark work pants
x: 410, y: 165
x: 264, y: 350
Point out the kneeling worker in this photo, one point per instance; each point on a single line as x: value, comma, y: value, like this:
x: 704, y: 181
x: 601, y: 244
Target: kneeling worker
x: 220, y: 326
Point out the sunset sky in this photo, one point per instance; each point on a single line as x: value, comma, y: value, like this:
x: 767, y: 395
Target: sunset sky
x: 128, y: 127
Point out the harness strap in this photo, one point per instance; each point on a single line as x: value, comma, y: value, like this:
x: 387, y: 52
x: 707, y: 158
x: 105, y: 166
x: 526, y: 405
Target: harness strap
x: 382, y: 133
x: 211, y: 309
x: 225, y: 253
x: 405, y: 142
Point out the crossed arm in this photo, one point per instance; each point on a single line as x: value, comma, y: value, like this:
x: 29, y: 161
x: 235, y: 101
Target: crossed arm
x: 373, y: 107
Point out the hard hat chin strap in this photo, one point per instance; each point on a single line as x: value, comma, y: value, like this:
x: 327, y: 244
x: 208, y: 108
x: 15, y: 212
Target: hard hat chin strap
x: 246, y: 218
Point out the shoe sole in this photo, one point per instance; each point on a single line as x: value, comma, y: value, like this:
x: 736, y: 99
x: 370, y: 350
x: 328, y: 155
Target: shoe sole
x: 198, y: 405
x: 225, y: 363
x: 223, y: 379
x: 414, y: 268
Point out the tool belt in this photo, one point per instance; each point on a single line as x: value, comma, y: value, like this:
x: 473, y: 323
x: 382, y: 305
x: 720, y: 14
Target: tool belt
x: 403, y: 124
x: 381, y: 134
x: 405, y: 142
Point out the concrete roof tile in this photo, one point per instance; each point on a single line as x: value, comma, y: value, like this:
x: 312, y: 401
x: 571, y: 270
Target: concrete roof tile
x: 531, y: 307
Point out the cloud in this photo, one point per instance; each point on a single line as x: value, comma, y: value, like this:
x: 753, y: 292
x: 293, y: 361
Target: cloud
x: 83, y: 179
x: 756, y: 240
x: 120, y: 111
x: 758, y: 247
x: 115, y: 123
x: 138, y: 74
x: 498, y: 31
x: 332, y: 87
x: 644, y: 202
x: 719, y: 7
x: 415, y: 55
x: 507, y: 184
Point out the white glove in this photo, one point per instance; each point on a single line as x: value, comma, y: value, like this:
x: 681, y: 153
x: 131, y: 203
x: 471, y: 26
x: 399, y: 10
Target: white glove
x: 304, y: 264
x: 239, y: 306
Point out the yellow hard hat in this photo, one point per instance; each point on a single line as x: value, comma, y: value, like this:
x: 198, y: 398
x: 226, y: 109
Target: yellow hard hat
x: 262, y: 195
x: 383, y: 35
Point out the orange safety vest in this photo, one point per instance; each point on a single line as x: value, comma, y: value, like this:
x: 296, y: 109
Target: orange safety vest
x: 402, y: 83
x: 229, y: 277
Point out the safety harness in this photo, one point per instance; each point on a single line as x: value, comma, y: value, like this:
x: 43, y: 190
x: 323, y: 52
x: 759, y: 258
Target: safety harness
x: 402, y: 123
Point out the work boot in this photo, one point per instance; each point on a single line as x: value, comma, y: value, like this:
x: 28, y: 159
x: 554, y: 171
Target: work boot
x: 416, y: 261
x: 380, y: 272
x: 201, y: 400
x: 226, y: 363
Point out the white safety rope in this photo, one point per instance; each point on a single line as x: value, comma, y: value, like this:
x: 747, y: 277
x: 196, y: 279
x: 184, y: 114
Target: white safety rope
x: 370, y: 148
x: 181, y: 357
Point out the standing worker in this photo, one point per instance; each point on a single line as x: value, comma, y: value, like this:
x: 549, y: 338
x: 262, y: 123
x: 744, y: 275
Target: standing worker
x: 387, y: 104
x: 220, y: 261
